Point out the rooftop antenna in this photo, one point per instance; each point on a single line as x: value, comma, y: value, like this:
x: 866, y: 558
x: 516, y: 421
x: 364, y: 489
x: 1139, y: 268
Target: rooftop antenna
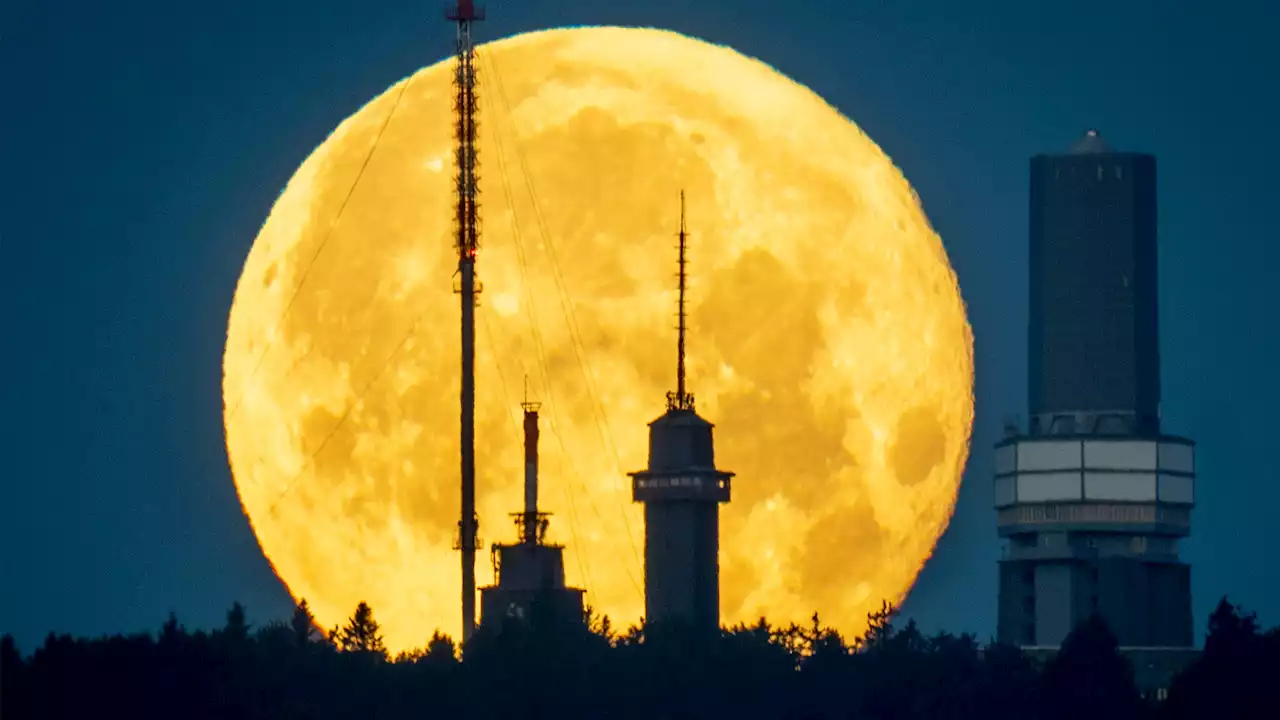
x: 532, y: 524
x: 680, y: 399
x: 467, y: 243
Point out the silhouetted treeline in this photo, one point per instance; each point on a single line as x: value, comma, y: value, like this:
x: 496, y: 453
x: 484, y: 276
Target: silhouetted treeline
x: 287, y: 670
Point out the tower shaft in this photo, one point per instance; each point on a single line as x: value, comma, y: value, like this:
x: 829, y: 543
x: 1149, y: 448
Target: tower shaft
x: 1093, y: 319
x: 529, y: 531
x: 467, y: 243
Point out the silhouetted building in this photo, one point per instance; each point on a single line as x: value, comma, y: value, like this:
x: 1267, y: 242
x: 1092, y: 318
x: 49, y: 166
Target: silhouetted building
x: 1092, y: 499
x: 529, y: 574
x: 681, y: 491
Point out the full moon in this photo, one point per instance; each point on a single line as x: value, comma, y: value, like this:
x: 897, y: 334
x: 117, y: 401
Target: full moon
x: 828, y: 338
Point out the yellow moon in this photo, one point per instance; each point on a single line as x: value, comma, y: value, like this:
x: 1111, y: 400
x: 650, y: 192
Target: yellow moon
x: 828, y: 338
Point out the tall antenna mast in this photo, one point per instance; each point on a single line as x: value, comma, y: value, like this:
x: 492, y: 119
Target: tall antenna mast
x: 680, y: 399
x: 467, y: 243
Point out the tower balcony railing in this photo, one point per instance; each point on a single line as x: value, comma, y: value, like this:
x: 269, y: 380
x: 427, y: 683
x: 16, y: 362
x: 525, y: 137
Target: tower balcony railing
x: 681, y: 481
x: 708, y: 485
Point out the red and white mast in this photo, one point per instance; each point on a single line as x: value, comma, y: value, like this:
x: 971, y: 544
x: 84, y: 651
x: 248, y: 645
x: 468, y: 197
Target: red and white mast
x: 467, y: 243
x: 530, y: 527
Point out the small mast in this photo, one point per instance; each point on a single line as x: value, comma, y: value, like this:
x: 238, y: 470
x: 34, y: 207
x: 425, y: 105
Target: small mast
x: 533, y: 524
x: 529, y: 573
x: 681, y: 399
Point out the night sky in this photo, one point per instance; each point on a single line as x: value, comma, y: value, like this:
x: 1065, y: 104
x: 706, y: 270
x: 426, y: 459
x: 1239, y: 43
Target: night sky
x: 142, y: 144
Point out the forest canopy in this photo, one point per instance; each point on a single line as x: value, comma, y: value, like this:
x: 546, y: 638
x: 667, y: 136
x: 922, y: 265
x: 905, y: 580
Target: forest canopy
x: 538, y: 667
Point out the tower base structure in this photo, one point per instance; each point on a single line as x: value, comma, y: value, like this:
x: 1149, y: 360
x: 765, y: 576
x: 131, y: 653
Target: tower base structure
x: 1091, y: 525
x: 530, y: 587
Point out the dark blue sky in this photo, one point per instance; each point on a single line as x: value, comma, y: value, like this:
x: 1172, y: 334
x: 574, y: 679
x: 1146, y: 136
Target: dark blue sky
x: 143, y: 143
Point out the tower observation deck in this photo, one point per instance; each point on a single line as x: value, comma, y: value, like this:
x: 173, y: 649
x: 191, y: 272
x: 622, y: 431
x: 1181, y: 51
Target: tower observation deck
x: 1091, y: 497
x: 681, y: 490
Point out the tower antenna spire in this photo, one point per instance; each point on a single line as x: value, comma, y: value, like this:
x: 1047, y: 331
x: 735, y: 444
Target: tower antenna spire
x: 467, y: 243
x: 532, y: 523
x: 681, y: 399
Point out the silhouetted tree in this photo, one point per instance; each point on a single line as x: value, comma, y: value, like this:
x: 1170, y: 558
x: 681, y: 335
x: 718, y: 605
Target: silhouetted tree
x: 549, y: 666
x: 237, y: 628
x: 441, y: 650
x: 13, y: 679
x: 879, y: 626
x: 888, y: 669
x: 362, y: 633
x: 1230, y: 631
x: 1236, y: 675
x: 303, y: 624
x: 633, y: 635
x: 171, y: 631
x: 1089, y: 678
x: 1008, y: 687
x: 756, y: 671
x: 598, y: 624
x: 275, y: 638
x: 953, y: 669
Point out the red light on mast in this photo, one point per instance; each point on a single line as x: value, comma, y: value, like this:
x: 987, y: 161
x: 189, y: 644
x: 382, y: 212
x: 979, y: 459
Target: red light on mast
x: 465, y: 11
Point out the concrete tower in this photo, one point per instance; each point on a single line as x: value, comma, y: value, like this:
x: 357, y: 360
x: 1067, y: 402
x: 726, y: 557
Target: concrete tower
x: 681, y: 491
x: 1091, y: 497
x: 529, y: 574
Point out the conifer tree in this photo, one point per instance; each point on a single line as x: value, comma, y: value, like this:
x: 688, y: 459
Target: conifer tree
x: 361, y: 633
x: 1089, y: 678
x: 441, y: 649
x: 237, y: 628
x: 171, y: 631
x: 303, y: 624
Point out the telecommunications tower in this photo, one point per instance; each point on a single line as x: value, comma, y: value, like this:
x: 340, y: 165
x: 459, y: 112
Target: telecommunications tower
x: 467, y: 242
x: 529, y: 574
x: 1092, y: 496
x: 681, y: 491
